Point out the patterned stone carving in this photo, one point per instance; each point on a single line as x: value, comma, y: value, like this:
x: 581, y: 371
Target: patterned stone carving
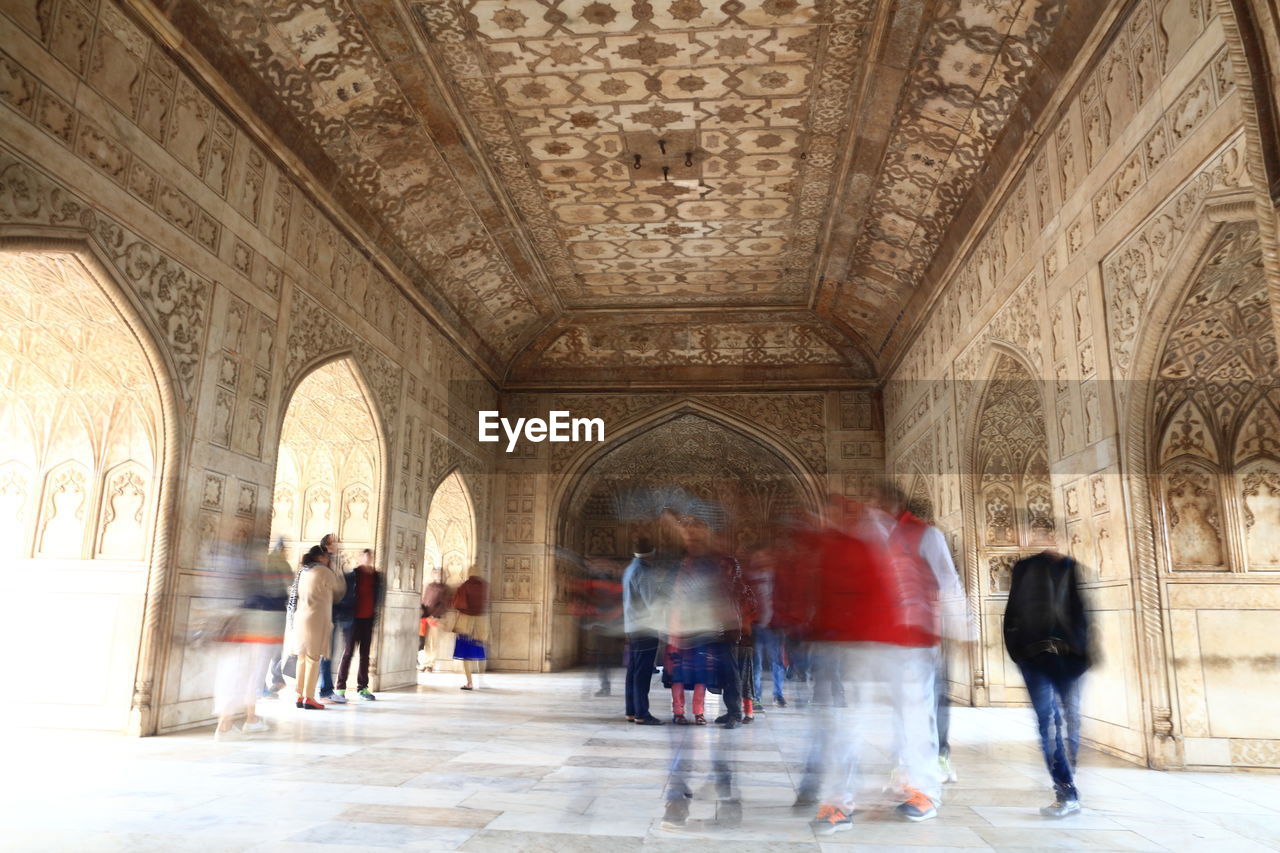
x: 450, y: 538
x: 174, y: 299
x: 1011, y: 464
x: 314, y: 332
x: 1133, y: 269
x: 1215, y: 408
x: 743, y: 484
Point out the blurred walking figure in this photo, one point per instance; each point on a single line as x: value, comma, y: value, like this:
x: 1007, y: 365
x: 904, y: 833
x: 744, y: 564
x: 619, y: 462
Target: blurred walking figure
x: 937, y: 605
x: 279, y: 575
x: 878, y: 617
x: 705, y: 630
x: 1047, y: 633
x: 952, y: 610
x: 364, y: 584
x: 599, y: 610
x: 744, y: 600
x: 315, y: 592
x: 642, y: 611
x: 704, y: 625
x: 766, y: 638
x: 435, y: 606
x: 341, y: 618
x: 252, y: 634
x: 472, y: 625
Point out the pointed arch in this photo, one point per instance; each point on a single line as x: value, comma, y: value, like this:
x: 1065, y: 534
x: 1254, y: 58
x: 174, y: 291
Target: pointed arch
x: 685, y: 449
x: 450, y: 530
x: 1006, y: 496
x: 149, y: 379
x: 329, y: 429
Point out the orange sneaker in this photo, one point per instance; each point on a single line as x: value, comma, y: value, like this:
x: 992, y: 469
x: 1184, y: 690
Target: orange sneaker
x: 918, y: 807
x: 832, y: 819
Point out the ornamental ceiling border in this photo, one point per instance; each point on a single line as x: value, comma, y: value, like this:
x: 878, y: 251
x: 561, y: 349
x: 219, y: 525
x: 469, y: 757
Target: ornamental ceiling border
x: 411, y: 198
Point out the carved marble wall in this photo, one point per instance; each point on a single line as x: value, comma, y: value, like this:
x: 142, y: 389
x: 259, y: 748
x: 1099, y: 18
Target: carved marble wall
x: 1080, y: 273
x: 243, y: 282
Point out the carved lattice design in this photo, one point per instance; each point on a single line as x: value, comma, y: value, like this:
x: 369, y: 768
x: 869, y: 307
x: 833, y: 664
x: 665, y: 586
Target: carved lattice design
x: 1215, y: 409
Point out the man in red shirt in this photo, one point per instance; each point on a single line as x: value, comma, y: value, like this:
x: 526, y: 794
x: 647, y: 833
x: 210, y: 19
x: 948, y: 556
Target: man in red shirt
x: 366, y: 585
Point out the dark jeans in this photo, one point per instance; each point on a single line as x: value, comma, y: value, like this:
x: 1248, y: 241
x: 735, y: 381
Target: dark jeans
x: 727, y: 676
x: 828, y: 676
x: 768, y: 642
x: 642, y: 651
x: 1054, y: 684
x: 360, y: 631
x: 326, y: 666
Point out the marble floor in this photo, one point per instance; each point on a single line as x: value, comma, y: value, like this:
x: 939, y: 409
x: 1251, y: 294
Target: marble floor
x: 535, y: 763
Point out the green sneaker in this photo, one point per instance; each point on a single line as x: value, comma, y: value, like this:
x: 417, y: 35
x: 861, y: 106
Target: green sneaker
x: 367, y: 695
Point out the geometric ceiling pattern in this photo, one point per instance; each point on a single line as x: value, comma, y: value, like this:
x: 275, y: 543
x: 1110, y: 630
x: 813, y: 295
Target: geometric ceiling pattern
x: 549, y: 165
x: 673, y: 153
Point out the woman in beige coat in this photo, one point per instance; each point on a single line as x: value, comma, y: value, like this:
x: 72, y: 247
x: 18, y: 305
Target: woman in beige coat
x: 313, y: 622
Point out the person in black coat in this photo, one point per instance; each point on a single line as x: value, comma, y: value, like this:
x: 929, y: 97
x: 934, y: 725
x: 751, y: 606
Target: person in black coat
x: 1046, y: 632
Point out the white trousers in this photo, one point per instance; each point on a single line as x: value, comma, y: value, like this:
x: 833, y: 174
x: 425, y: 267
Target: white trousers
x: 890, y: 691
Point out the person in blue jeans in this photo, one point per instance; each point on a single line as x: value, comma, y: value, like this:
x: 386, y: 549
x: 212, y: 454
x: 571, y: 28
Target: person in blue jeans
x: 766, y: 641
x: 643, y: 610
x: 342, y: 610
x: 1047, y: 634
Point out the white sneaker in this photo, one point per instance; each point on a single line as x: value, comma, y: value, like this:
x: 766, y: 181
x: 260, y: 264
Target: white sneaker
x: 255, y: 727
x: 948, y: 772
x: 220, y: 735
x: 1061, y: 808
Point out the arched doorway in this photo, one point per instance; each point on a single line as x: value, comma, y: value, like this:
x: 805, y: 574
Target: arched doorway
x: 451, y: 533
x: 81, y: 473
x: 450, y: 549
x: 1013, y: 498
x: 685, y: 457
x: 329, y: 470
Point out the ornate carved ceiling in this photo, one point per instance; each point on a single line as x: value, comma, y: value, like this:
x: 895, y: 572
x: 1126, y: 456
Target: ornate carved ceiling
x: 551, y: 166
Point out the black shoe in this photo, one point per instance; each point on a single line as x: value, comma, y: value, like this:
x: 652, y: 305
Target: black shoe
x: 648, y: 721
x: 732, y: 723
x: 603, y: 691
x: 805, y: 799
x: 677, y: 814
x: 780, y: 702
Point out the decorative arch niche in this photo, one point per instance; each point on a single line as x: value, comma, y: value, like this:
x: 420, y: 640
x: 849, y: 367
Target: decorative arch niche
x: 1216, y: 414
x: 328, y: 473
x: 86, y: 414
x: 1011, y: 453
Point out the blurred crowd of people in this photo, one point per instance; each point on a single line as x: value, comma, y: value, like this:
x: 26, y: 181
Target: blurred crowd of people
x: 291, y: 622
x: 847, y: 613
x: 851, y: 612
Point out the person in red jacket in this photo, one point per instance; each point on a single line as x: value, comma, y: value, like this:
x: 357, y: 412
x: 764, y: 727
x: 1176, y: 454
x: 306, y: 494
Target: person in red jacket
x: 875, y: 617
